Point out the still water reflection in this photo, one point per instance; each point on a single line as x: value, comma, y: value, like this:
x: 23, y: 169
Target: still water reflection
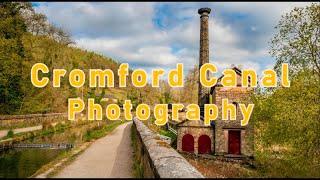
x: 25, y: 162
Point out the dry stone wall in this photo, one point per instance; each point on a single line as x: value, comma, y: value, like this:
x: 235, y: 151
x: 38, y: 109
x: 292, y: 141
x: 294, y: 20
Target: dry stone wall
x: 159, y: 159
x: 17, y: 121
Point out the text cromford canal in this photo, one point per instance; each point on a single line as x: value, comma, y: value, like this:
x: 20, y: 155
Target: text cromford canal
x: 139, y: 78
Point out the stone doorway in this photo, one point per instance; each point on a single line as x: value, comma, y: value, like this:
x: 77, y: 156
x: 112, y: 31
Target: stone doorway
x: 204, y: 144
x: 188, y: 143
x: 234, y: 142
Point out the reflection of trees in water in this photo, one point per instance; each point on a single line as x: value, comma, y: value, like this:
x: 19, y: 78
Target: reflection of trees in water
x: 25, y: 162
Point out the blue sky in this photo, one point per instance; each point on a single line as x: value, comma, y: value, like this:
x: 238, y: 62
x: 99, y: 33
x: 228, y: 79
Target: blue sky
x: 159, y: 35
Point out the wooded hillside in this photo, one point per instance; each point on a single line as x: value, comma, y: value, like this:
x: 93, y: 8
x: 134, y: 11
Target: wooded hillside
x: 26, y: 38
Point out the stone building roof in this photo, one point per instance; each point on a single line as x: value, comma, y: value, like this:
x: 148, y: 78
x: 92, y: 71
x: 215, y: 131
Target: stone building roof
x: 192, y: 123
x: 218, y: 84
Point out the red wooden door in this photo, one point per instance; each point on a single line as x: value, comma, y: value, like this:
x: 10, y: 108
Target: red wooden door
x: 188, y: 143
x: 234, y: 142
x: 204, y: 144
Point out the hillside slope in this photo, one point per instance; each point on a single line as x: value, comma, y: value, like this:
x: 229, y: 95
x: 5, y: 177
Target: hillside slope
x: 56, y: 55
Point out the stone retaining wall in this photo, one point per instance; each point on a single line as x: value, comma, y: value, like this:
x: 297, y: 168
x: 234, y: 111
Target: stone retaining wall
x: 17, y: 121
x: 159, y: 159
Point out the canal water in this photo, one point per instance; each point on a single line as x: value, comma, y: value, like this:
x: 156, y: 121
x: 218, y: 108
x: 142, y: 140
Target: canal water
x: 16, y: 163
x: 24, y: 162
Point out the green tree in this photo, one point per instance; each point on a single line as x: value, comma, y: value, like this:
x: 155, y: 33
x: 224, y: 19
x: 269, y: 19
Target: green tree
x: 294, y: 116
x: 287, y: 120
x: 134, y: 97
x: 297, y: 41
x: 12, y: 54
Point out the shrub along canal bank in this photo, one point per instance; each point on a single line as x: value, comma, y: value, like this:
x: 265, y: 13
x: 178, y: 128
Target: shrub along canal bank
x: 24, y: 162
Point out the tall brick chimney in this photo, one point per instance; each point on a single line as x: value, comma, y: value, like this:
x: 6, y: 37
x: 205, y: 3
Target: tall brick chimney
x: 203, y: 92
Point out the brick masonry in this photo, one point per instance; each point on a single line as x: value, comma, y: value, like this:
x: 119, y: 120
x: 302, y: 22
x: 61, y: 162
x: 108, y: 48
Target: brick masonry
x: 204, y: 51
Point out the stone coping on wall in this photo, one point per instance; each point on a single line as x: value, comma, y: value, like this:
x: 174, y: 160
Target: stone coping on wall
x: 27, y: 116
x: 164, y: 160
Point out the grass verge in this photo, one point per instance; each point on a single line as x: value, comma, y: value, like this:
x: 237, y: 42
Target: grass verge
x: 137, y: 166
x: 41, y: 132
x: 54, y: 167
x: 99, y: 132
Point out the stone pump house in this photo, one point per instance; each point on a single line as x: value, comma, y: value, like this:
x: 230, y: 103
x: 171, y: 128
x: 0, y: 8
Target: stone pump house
x: 223, y: 137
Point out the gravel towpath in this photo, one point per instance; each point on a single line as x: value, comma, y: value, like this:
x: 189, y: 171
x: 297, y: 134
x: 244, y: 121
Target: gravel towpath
x: 110, y: 156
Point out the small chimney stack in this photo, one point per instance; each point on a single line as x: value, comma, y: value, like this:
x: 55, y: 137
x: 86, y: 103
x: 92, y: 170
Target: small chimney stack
x: 203, y: 92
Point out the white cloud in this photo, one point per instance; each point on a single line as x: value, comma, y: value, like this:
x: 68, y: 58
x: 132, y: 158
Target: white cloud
x: 253, y: 28
x: 126, y: 32
x: 100, y: 18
